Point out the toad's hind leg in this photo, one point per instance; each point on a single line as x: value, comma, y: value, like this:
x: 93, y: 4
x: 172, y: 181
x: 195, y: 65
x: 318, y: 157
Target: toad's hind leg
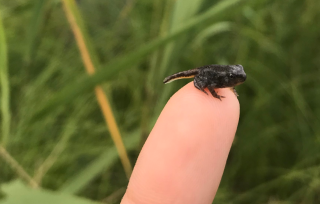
x: 234, y: 91
x: 199, y: 85
x: 214, y: 93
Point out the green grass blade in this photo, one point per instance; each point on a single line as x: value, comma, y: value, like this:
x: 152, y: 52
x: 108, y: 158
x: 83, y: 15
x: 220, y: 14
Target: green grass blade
x: 18, y: 193
x: 265, y: 43
x: 211, y: 31
x: 106, y: 159
x: 5, y: 87
x: 86, y: 83
x: 183, y: 10
x: 34, y: 28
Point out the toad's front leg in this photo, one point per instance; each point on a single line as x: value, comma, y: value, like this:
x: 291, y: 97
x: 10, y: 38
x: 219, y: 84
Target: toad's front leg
x: 234, y: 91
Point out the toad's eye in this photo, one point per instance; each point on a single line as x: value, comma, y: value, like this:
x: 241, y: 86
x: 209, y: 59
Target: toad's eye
x: 231, y: 76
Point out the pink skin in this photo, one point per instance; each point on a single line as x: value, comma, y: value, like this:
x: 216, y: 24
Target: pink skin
x: 185, y: 154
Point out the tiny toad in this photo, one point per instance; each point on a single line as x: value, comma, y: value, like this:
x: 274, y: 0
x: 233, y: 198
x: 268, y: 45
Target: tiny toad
x: 213, y: 76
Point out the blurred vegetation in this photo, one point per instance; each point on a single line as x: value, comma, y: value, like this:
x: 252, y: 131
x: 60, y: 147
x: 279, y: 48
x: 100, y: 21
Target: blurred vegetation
x: 53, y: 132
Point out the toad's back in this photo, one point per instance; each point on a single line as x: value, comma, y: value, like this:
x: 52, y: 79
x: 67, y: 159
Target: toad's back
x: 212, y: 76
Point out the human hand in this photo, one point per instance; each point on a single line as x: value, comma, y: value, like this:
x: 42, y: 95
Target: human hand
x: 185, y: 154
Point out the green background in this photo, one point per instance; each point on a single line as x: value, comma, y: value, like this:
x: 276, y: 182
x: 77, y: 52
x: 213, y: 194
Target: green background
x: 48, y: 106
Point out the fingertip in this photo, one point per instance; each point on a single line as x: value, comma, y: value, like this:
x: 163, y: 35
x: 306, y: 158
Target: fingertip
x: 228, y: 102
x: 205, y: 107
x: 184, y: 156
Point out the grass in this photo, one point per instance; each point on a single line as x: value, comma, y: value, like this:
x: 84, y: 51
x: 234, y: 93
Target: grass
x: 83, y: 40
x: 52, y: 126
x: 5, y: 87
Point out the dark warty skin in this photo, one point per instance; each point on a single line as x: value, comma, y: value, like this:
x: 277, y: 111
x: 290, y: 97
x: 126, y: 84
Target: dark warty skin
x: 213, y: 76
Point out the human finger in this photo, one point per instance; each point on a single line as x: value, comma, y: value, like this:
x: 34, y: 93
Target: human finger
x: 184, y: 156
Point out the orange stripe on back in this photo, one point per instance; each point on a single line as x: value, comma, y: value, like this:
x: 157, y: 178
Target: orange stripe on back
x: 182, y: 77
